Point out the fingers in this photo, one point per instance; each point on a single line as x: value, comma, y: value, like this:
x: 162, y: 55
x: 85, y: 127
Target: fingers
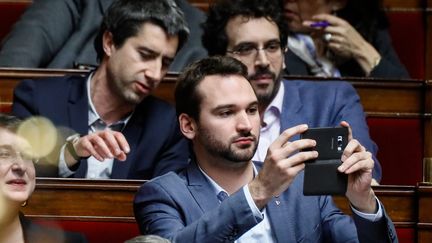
x: 331, y: 19
x: 103, y: 145
x: 346, y: 124
x: 356, y: 158
x: 288, y: 134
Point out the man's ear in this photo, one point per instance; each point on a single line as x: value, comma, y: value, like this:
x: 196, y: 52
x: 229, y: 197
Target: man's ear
x: 107, y: 43
x: 187, y: 126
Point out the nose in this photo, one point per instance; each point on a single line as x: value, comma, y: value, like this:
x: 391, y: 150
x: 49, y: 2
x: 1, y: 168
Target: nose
x: 243, y: 122
x: 19, y: 166
x: 154, y: 72
x: 261, y: 58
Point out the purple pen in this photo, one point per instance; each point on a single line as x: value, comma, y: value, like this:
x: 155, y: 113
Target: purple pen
x: 321, y: 24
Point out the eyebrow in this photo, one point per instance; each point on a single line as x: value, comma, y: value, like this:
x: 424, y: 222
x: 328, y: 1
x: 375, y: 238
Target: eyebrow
x: 254, y: 43
x: 155, y: 53
x: 230, y: 106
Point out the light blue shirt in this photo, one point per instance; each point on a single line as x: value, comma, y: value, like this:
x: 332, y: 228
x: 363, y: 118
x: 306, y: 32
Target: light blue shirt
x: 270, y: 129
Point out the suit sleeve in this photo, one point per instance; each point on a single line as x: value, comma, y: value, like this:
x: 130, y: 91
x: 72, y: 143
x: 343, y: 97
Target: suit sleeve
x: 159, y: 212
x: 381, y: 231
x: 40, y: 33
x: 390, y: 65
x: 340, y: 228
x: 348, y: 108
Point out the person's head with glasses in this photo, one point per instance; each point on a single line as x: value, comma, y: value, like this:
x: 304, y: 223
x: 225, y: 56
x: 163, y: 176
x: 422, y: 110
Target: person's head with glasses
x: 17, y: 171
x: 254, y: 32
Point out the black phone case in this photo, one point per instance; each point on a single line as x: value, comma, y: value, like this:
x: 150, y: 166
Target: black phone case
x: 321, y: 176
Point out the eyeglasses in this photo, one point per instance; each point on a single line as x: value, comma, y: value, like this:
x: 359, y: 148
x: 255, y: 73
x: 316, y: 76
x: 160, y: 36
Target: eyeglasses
x: 249, y: 51
x: 10, y: 155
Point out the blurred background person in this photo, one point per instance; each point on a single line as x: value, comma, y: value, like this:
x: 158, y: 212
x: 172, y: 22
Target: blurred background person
x: 17, y: 183
x: 61, y: 33
x: 333, y: 38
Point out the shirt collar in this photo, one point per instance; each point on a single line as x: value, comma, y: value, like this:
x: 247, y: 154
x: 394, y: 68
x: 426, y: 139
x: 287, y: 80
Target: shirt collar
x: 275, y: 107
x: 93, y: 115
x: 216, y: 188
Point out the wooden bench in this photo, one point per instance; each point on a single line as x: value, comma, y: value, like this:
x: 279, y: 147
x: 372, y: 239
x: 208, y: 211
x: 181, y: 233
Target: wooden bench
x: 103, y: 211
x: 398, y: 114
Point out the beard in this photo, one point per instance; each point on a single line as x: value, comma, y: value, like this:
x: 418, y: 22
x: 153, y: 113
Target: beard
x: 266, y: 97
x: 122, y: 90
x: 228, y: 151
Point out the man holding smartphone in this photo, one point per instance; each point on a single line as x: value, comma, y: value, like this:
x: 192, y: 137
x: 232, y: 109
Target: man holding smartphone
x: 222, y: 196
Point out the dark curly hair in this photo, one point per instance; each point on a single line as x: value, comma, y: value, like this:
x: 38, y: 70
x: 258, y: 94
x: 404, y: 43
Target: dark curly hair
x: 220, y: 12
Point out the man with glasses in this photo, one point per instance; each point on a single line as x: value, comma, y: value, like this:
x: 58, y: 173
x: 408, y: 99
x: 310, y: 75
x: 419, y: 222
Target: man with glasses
x: 254, y: 32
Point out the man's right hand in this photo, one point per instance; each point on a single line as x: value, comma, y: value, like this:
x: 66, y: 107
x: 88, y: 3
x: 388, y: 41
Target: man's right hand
x: 102, y: 145
x: 284, y: 160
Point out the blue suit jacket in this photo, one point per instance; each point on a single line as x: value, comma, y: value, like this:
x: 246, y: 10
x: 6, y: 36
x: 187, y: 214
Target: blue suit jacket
x: 326, y: 104
x: 184, y: 208
x: 152, y: 132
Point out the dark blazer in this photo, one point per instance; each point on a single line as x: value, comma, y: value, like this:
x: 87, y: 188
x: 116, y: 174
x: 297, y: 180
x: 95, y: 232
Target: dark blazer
x: 63, y: 31
x: 154, y: 137
x: 326, y: 104
x: 389, y: 66
x: 184, y: 208
x: 36, y: 233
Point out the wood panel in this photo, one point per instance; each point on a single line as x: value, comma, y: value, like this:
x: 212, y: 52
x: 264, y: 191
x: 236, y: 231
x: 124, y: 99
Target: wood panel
x: 425, y: 213
x: 429, y: 39
x: 82, y: 199
x: 107, y: 200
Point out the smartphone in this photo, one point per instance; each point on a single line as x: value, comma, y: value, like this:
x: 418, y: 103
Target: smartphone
x: 321, y: 176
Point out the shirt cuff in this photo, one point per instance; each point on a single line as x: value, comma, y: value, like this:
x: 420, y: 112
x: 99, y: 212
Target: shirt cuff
x: 64, y: 170
x: 373, y: 217
x: 255, y: 210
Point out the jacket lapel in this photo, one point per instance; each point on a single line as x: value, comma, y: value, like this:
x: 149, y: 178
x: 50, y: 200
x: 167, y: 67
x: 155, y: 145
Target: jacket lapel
x: 78, y: 105
x: 291, y: 107
x: 132, y: 132
x: 78, y: 113
x: 201, y: 189
x: 282, y: 226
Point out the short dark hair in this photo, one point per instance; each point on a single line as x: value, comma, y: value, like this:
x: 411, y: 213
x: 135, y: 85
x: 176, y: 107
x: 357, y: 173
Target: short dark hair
x: 187, y: 99
x: 124, y: 18
x: 9, y: 123
x: 214, y: 37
